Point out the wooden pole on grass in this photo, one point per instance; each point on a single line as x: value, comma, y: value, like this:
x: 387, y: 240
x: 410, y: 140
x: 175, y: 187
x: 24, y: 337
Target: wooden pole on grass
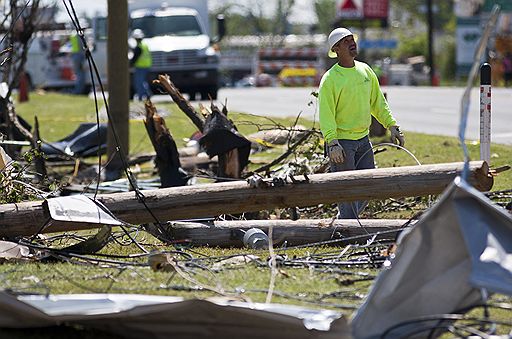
x: 206, y: 200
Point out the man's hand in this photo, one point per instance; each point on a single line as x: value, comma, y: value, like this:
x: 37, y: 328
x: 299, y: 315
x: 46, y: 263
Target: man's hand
x: 397, y: 135
x: 336, y: 152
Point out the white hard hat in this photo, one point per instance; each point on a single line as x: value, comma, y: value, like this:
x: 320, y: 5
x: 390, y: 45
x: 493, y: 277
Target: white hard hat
x: 138, y: 34
x: 335, y: 36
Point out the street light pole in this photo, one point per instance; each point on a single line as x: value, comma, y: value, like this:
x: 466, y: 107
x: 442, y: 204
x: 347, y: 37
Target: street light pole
x: 430, y: 24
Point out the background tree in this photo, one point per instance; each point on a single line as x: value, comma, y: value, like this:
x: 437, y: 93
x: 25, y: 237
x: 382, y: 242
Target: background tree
x: 413, y: 39
x: 19, y: 23
x: 255, y: 18
x: 281, y: 22
x: 443, y: 11
x: 410, y: 45
x: 242, y: 19
x: 326, y: 14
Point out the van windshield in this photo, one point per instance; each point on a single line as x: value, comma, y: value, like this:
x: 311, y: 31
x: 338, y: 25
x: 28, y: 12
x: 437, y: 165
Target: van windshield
x: 176, y: 25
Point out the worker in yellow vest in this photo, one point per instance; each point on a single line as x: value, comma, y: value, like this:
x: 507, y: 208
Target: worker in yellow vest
x: 348, y: 96
x: 78, y: 58
x: 142, y: 62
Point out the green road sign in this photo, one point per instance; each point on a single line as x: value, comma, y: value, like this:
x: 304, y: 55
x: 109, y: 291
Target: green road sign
x: 506, y: 5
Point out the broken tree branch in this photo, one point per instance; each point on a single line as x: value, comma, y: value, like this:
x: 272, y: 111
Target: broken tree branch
x: 283, y: 156
x: 182, y: 103
x: 39, y: 159
x: 167, y: 159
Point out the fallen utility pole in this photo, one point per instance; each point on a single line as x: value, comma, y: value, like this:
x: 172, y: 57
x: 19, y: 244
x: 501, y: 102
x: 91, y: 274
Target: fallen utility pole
x: 293, y: 232
x: 207, y: 200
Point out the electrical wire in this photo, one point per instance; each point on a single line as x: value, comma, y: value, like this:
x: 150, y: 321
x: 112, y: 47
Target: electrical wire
x: 92, y: 66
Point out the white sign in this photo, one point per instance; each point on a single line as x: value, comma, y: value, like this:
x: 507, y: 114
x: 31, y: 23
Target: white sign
x: 468, y: 35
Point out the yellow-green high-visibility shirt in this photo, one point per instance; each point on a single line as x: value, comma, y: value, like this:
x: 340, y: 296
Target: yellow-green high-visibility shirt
x: 347, y: 99
x: 144, y: 60
x: 75, y: 43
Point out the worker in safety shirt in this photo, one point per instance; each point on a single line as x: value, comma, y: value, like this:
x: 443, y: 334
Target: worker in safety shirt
x: 349, y: 94
x: 142, y: 62
x: 78, y: 58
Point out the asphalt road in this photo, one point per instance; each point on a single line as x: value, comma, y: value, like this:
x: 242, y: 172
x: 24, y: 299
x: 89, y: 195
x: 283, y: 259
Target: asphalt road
x: 432, y: 110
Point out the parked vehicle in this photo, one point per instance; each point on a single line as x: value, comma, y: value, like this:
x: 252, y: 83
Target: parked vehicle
x: 49, y: 63
x: 177, y: 34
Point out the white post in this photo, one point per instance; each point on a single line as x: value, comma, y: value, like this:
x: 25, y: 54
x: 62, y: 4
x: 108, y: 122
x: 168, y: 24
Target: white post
x: 485, y: 113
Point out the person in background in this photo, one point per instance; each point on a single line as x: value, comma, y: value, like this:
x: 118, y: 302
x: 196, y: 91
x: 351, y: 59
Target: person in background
x: 349, y: 95
x: 507, y: 68
x: 142, y: 62
x: 78, y: 58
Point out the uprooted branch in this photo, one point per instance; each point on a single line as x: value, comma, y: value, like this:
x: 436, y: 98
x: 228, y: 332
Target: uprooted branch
x: 183, y: 104
x: 283, y: 156
x: 167, y: 159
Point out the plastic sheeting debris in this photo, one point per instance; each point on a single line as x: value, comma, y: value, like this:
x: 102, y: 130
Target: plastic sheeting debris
x: 220, y: 136
x: 463, y: 244
x: 85, y: 141
x: 142, y: 316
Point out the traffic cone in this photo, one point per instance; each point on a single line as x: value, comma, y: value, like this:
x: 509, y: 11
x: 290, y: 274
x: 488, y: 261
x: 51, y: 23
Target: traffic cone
x: 23, y: 87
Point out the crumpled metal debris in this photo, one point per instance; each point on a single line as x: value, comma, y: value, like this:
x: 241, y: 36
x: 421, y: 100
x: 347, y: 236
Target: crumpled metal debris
x: 461, y: 246
x: 77, y: 209
x: 142, y: 316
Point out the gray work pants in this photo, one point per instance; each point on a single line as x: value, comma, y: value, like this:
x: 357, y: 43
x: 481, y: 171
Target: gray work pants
x: 358, y: 155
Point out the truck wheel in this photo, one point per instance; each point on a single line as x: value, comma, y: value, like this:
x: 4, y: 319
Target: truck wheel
x: 192, y: 96
x: 87, y: 89
x: 212, y: 92
x: 30, y: 83
x: 132, y: 93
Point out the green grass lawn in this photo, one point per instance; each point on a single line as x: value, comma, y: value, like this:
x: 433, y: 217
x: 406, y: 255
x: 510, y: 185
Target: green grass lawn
x: 341, y: 288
